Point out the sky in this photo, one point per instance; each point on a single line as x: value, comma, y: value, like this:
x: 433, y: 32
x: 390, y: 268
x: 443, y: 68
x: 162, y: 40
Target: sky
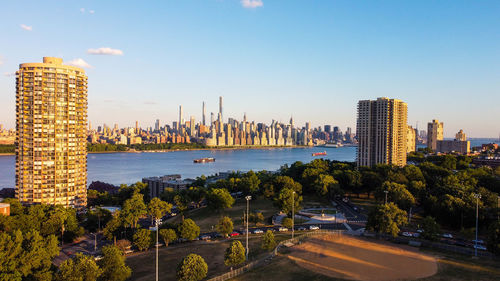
x: 269, y: 58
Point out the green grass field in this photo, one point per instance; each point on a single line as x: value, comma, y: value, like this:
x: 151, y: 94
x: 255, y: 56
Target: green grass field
x: 143, y: 263
x: 206, y: 218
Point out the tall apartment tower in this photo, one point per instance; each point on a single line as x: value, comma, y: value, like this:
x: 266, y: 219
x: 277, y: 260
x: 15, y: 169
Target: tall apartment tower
x: 181, y: 119
x: 221, y: 116
x: 51, y: 131
x: 434, y: 134
x: 203, y: 112
x: 381, y: 131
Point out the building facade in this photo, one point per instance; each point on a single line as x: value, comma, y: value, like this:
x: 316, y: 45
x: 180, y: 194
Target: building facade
x: 381, y: 132
x: 411, y: 140
x: 434, y: 134
x: 51, y: 132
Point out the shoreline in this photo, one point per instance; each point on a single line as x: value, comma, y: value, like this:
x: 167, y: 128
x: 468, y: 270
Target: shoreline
x: 189, y: 149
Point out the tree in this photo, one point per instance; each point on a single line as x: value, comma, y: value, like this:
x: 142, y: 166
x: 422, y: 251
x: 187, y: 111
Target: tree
x: 284, y: 182
x: 493, y: 242
x: 168, y: 235
x: 235, y: 254
x: 192, y: 268
x: 250, y: 183
x: 430, y: 228
x: 113, y: 226
x: 188, y: 229
x: 79, y: 268
x: 181, y: 201
x: 256, y: 218
x: 268, y: 242
x: 225, y: 226
x: 26, y: 257
x: 219, y: 198
x: 158, y: 208
x: 398, y: 194
x: 113, y: 265
x: 285, y: 201
x: 386, y: 218
x: 287, y: 222
x: 324, y: 183
x: 142, y: 239
x: 133, y: 209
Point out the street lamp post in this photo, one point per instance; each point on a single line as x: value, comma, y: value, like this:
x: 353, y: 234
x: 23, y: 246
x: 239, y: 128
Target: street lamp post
x: 498, y: 208
x: 386, y: 191
x: 477, y: 196
x: 157, y: 223
x: 248, y: 198
x: 293, y: 214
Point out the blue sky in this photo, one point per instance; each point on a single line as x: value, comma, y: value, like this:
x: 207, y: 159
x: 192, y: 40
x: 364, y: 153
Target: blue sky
x: 269, y: 58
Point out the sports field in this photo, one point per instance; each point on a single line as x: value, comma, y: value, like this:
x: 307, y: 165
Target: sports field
x: 356, y: 259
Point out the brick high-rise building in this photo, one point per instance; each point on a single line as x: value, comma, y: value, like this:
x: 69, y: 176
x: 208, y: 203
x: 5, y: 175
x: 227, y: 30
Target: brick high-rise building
x: 381, y: 131
x: 51, y: 122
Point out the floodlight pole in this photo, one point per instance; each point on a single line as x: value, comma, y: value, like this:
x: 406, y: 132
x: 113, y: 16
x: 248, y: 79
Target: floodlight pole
x: 477, y: 196
x: 157, y: 223
x: 386, y: 191
x: 248, y: 198
x: 293, y: 215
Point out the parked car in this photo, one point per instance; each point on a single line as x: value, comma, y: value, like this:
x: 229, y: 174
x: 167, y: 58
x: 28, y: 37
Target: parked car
x: 416, y: 234
x: 282, y: 229
x: 407, y: 234
x: 313, y: 227
x: 205, y: 237
x: 447, y: 235
x: 420, y: 230
x: 480, y: 247
x: 479, y: 241
x: 234, y: 233
x: 258, y: 231
x: 301, y: 228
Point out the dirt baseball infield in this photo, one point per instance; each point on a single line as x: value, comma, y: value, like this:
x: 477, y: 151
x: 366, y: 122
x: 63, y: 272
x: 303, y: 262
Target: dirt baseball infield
x: 357, y: 259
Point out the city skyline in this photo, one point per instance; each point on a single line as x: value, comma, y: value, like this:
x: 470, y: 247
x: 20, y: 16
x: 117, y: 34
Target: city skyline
x: 270, y: 62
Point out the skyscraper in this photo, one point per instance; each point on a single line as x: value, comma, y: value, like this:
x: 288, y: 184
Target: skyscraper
x: 51, y: 152
x: 381, y: 131
x: 434, y: 133
x: 157, y: 125
x: 203, y: 114
x: 221, y: 116
x: 181, y: 119
x: 192, y: 126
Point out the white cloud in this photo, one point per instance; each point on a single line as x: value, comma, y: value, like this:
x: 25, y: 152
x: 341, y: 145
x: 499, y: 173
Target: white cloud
x: 82, y: 10
x: 251, y: 3
x: 105, y: 51
x: 91, y: 12
x: 26, y: 27
x: 1, y: 60
x: 79, y: 63
x: 9, y: 74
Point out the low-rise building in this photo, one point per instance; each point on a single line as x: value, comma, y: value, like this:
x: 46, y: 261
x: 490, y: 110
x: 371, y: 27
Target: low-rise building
x: 448, y: 146
x: 157, y: 185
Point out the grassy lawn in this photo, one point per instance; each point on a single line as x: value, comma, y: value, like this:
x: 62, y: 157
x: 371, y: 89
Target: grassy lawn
x: 206, y: 218
x: 143, y: 264
x: 280, y: 269
x: 460, y: 267
x: 314, y: 201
